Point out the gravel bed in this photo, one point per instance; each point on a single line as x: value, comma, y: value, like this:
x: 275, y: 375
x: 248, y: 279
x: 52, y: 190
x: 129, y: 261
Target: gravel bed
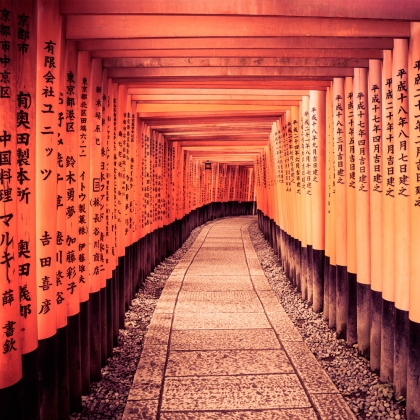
x: 108, y: 397
x: 366, y: 396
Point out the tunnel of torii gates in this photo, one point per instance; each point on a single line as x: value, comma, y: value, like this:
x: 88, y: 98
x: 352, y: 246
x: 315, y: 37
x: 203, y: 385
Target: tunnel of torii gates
x: 125, y: 124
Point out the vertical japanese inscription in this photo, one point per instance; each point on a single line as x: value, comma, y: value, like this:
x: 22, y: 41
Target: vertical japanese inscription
x: 10, y: 350
x: 47, y: 96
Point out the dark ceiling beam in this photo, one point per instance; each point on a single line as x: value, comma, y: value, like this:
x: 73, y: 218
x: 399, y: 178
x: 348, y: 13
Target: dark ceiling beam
x: 380, y: 9
x: 241, y: 43
x: 213, y: 72
x: 234, y: 62
x: 175, y: 26
x: 243, y: 53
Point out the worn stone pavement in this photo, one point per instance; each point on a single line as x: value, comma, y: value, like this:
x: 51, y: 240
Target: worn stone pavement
x: 220, y: 345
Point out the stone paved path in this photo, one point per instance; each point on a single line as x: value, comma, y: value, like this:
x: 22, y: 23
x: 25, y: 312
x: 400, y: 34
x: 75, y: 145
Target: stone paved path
x: 220, y: 346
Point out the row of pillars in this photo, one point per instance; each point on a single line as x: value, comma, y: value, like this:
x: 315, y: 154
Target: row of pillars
x: 61, y: 369
x: 338, y: 193
x: 91, y: 199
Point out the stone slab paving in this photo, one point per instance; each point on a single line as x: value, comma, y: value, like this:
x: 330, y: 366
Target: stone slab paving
x: 220, y: 345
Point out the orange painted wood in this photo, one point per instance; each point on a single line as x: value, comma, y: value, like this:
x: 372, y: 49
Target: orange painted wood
x: 302, y: 204
x: 257, y: 61
x: 350, y: 174
x: 149, y: 108
x: 340, y: 136
x: 377, y: 184
x: 26, y: 83
x: 11, y: 342
x: 329, y: 174
x: 114, y: 196
x: 47, y: 76
x: 71, y: 173
x: 296, y: 184
x: 383, y: 9
x: 222, y: 43
x: 94, y: 183
x: 230, y: 72
x: 388, y: 248
x: 361, y: 130
x: 317, y: 120
x: 402, y: 173
x: 61, y: 189
x: 108, y: 173
x: 121, y: 170
x: 414, y: 57
x: 255, y: 53
x: 308, y: 173
x: 152, y: 26
x: 83, y: 121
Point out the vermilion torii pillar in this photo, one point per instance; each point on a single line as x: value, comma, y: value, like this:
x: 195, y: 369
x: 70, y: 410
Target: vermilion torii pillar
x: 47, y: 79
x: 317, y: 120
x: 361, y: 138
x: 388, y: 242
x: 376, y: 207
x: 413, y: 368
x: 402, y: 211
x: 340, y: 135
x: 11, y: 341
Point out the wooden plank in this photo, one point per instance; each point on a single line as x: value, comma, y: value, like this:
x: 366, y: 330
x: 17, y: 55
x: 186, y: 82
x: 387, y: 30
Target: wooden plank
x: 205, y: 108
x: 255, y: 61
x: 124, y: 72
x: 153, y: 26
x: 197, y: 128
x: 218, y: 143
x: 230, y: 92
x: 382, y: 9
x: 295, y: 102
x: 244, y: 53
x: 233, y: 83
x: 241, y: 43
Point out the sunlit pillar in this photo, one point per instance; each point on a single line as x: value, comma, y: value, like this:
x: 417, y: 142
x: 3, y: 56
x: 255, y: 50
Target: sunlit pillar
x: 413, y: 368
x: 317, y: 118
x: 83, y: 120
x: 340, y: 228
x: 402, y: 212
x: 361, y: 137
x: 351, y: 211
x: 10, y: 320
x: 388, y: 241
x: 47, y: 95
x: 376, y: 208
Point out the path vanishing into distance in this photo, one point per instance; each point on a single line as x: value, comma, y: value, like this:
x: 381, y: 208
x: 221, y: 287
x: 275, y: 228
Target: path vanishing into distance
x: 220, y: 345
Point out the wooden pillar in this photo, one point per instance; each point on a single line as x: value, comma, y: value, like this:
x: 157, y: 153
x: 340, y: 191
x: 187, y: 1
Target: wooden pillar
x: 317, y: 104
x: 413, y: 368
x: 10, y: 322
x: 106, y: 176
x: 351, y: 212
x: 308, y: 198
x: 61, y: 255
x: 120, y: 210
x: 26, y: 257
x: 93, y: 205
x: 71, y: 277
x: 83, y: 167
x: 304, y: 248
x: 47, y: 80
x: 361, y: 128
x: 402, y: 212
x: 388, y: 243
x: 297, y: 194
x: 376, y: 208
x: 113, y: 94
x: 340, y: 228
